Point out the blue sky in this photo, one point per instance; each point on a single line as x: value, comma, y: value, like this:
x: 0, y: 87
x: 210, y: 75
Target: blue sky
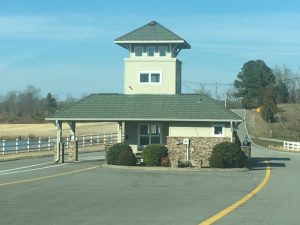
x: 66, y: 47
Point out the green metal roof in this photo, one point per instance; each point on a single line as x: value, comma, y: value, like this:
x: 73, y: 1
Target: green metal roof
x: 120, y: 107
x: 152, y: 32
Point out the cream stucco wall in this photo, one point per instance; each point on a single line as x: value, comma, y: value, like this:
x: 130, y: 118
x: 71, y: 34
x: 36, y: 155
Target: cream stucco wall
x: 196, y: 129
x: 169, y: 68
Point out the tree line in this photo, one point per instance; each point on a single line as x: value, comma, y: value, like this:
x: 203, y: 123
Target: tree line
x: 29, y: 106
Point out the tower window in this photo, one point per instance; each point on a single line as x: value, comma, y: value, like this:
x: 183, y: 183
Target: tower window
x: 144, y: 77
x: 150, y: 51
x: 149, y: 77
x: 162, y: 50
x: 138, y: 51
x: 155, y: 77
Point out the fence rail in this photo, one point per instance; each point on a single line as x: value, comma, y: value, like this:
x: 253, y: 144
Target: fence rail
x: 43, y: 144
x: 291, y: 146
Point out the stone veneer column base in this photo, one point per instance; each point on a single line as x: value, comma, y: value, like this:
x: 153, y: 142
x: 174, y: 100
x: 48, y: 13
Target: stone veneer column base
x: 73, y: 151
x: 200, y: 149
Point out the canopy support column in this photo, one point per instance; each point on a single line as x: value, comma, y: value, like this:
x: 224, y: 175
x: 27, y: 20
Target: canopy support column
x: 73, y: 143
x: 59, y: 150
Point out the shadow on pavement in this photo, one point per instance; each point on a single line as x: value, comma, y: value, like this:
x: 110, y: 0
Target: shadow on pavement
x: 258, y: 163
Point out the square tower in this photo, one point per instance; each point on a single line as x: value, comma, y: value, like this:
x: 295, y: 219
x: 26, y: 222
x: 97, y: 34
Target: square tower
x: 152, y: 66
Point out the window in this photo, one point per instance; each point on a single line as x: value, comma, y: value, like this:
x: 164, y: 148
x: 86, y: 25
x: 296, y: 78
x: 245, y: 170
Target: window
x: 149, y: 134
x: 155, y: 77
x: 162, y: 50
x: 150, y: 51
x: 149, y: 77
x: 218, y: 130
x: 138, y: 51
x: 144, y: 78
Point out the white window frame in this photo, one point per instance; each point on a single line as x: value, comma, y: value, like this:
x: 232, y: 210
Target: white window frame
x: 134, y: 50
x: 148, y: 124
x: 149, y: 77
x: 218, y: 125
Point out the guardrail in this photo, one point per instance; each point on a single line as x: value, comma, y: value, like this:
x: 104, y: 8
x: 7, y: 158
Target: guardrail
x: 44, y: 144
x: 291, y: 146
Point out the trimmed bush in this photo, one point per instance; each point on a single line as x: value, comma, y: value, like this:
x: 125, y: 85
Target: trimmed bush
x: 153, y: 154
x: 113, y: 153
x: 127, y: 158
x: 227, y: 155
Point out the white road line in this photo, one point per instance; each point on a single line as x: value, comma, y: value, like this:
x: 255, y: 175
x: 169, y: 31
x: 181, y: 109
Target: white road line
x: 42, y: 168
x: 95, y: 157
x: 24, y: 167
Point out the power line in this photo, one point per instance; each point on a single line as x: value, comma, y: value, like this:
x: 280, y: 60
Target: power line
x: 208, y: 84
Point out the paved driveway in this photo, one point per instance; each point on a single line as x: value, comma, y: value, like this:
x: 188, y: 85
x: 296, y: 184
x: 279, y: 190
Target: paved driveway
x: 48, y: 194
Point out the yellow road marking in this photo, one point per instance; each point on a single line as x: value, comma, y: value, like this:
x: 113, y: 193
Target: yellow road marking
x: 232, y: 207
x: 47, y: 177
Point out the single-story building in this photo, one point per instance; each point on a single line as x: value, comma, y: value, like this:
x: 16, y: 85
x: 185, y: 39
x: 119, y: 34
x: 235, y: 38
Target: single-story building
x: 188, y: 124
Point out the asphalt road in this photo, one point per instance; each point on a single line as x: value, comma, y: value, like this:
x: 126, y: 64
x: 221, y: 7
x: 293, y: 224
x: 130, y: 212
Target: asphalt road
x: 41, y: 193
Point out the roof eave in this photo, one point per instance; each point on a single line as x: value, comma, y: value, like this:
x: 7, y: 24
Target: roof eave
x: 182, y: 43
x: 142, y: 119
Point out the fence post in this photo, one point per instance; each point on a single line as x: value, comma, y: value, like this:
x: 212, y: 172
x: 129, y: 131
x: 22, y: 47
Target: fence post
x: 49, y: 143
x: 104, y: 138
x: 3, y: 147
x: 28, y: 144
x: 39, y: 144
x: 67, y: 142
x: 83, y: 140
x: 91, y: 139
x: 17, y: 145
x: 98, y: 139
x: 111, y: 138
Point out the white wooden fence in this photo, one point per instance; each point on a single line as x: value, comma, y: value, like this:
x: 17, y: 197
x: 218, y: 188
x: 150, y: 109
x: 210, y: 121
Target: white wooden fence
x: 291, y: 146
x: 42, y: 144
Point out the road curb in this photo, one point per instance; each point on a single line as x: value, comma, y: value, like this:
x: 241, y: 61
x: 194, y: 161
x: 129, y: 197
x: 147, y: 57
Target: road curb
x: 146, y: 168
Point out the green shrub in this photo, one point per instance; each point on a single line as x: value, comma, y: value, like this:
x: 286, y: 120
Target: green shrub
x: 227, y: 155
x: 127, y: 158
x: 153, y: 154
x: 184, y: 164
x: 113, y: 153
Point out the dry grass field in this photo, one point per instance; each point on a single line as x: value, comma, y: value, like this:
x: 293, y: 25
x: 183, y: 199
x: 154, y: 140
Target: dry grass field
x: 286, y: 127
x: 11, y: 131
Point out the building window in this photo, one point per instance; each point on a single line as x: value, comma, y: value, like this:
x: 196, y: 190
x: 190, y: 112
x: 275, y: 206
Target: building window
x: 138, y: 51
x: 150, y: 51
x: 144, y: 78
x: 149, y: 134
x: 149, y: 77
x: 155, y: 78
x: 162, y: 50
x: 218, y: 130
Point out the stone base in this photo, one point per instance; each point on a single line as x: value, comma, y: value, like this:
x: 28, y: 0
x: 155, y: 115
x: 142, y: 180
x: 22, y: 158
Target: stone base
x: 200, y: 150
x: 73, y: 151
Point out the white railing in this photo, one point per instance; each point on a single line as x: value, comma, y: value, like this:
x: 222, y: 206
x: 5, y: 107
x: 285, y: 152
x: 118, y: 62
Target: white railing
x: 291, y: 146
x: 43, y: 144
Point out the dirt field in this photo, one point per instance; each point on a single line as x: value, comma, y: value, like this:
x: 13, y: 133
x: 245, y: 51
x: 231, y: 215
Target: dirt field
x: 11, y: 131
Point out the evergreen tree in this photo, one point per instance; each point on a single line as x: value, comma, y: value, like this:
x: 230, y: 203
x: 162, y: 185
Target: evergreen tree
x: 251, y: 85
x: 51, y: 104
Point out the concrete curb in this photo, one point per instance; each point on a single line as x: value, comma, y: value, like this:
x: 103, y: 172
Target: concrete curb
x: 146, y: 168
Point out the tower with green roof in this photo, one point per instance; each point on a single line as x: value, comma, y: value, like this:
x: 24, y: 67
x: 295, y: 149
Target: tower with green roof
x: 152, y: 66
